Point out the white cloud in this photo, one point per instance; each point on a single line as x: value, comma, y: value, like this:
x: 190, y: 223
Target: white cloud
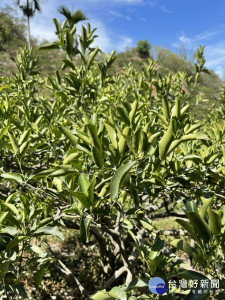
x: 124, y: 42
x: 152, y: 3
x: 166, y: 10
x: 43, y: 30
x: 115, y: 14
x: 214, y: 51
x: 143, y: 19
x: 108, y: 40
x: 215, y: 58
x: 129, y: 1
x: 118, y: 1
x: 205, y: 36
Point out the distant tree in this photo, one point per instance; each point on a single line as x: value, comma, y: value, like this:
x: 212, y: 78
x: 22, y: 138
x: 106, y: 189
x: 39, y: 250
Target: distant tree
x: 29, y: 8
x: 174, y: 62
x: 12, y: 31
x: 143, y: 49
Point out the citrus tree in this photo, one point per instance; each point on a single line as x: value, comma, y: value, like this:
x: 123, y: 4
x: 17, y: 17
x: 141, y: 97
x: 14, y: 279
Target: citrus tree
x: 106, y: 155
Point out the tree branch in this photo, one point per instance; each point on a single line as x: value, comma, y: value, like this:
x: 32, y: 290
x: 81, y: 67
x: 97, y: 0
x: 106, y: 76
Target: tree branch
x: 68, y: 273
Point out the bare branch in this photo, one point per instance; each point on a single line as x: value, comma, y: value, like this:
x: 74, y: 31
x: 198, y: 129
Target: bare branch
x: 68, y: 273
x: 116, y: 275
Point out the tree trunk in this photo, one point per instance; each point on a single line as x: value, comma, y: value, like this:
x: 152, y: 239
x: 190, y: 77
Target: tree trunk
x: 28, y: 31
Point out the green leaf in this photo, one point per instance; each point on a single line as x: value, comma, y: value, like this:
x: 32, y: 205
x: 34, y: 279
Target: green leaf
x: 92, y: 56
x: 183, y: 245
x: 137, y: 283
x: 214, y: 221
x: 63, y: 171
x: 84, y: 149
x: 153, y: 137
x: 50, y: 46
x: 83, y: 136
x: 177, y: 108
x: 187, y: 226
x: 102, y: 295
x: 12, y: 220
x: 57, y: 27
x: 163, y: 119
x: 156, y: 249
x: 97, y: 157
x: 92, y: 129
x: 23, y: 148
x: 165, y: 107
x: 37, y: 249
x: 200, y: 226
x: 11, y: 230
x: 91, y: 190
x: 84, y: 229
x: 12, y: 208
x: 137, y: 140
x: 50, y: 231
x: 166, y: 140
x: 122, y: 141
x: 190, y: 206
x: 94, y: 119
x: 24, y: 137
x: 3, y: 215
x: 38, y: 276
x: 192, y: 157
x: 70, y: 158
x: 67, y: 64
x: 42, y: 174
x: 12, y: 176
x: 15, y: 241
x: 82, y: 197
x: 69, y: 134
x: 204, y: 207
x: 4, y: 266
x: 184, y: 109
x: 214, y: 157
x: 222, y: 209
x: 193, y: 128
x: 123, y: 114
x: 83, y: 183
x: 69, y: 42
x: 118, y: 178
x: 146, y: 225
x: 112, y: 135
x: 133, y: 111
x: 13, y: 143
x: 4, y: 87
x: 185, y: 138
x: 118, y: 292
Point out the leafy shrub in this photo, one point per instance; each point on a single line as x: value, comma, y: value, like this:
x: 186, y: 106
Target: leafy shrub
x: 105, y: 155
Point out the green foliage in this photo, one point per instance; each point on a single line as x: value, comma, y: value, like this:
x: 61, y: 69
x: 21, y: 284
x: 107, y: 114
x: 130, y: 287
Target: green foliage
x: 143, y: 49
x: 12, y: 31
x: 104, y: 155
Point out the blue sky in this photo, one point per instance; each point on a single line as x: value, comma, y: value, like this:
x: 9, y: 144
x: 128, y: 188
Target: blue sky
x: 167, y: 23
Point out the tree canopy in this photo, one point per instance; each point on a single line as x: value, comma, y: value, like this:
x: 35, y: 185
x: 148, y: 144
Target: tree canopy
x: 143, y: 49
